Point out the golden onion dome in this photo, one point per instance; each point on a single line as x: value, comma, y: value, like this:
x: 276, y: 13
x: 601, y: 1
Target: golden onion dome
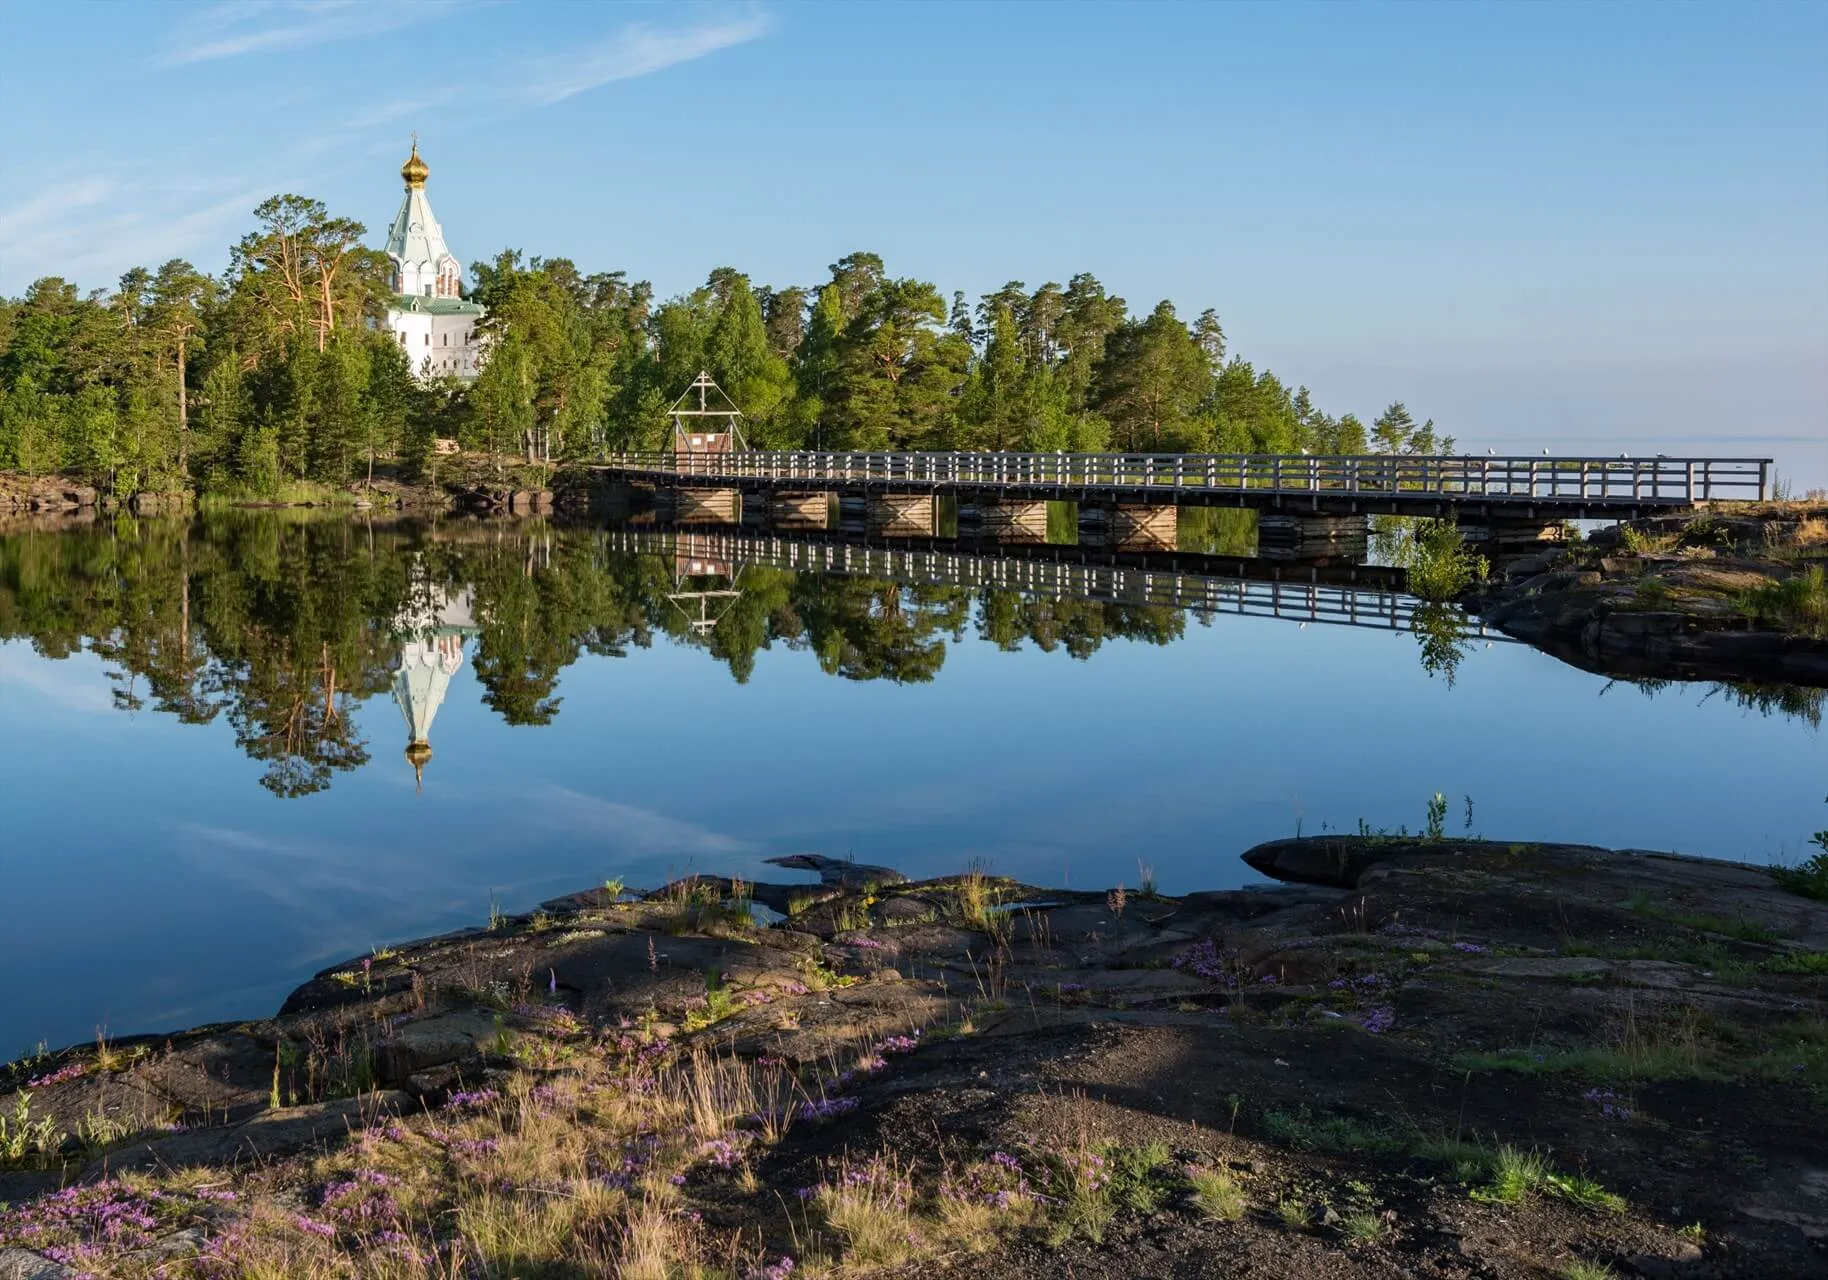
x: 414, y: 170
x: 418, y: 751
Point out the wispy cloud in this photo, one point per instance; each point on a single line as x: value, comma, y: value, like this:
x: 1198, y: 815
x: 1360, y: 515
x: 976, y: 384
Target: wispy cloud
x: 639, y: 49
x: 51, y: 206
x: 86, y: 230
x: 240, y: 27
x: 629, y: 830
x: 75, y: 686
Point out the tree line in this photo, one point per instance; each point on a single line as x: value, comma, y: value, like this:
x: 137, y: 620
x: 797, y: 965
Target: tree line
x: 280, y: 371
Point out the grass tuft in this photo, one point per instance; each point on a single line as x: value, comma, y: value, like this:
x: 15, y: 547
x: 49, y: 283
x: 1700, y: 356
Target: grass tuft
x: 1216, y: 1194
x: 1365, y: 1228
x: 1581, y: 1269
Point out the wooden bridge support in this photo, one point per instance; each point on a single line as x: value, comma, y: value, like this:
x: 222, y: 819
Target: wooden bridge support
x: 1513, y: 537
x: 799, y: 510
x: 700, y: 506
x: 1282, y: 536
x: 1012, y: 521
x: 1130, y: 526
x: 903, y: 515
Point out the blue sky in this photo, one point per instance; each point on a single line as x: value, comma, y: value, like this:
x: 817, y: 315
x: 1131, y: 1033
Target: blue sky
x: 1585, y: 225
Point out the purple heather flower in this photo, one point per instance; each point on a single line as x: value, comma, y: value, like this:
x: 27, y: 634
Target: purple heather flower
x: 826, y: 1108
x: 471, y: 1098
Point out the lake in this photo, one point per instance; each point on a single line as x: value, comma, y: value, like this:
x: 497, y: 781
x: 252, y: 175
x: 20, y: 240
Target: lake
x: 236, y: 750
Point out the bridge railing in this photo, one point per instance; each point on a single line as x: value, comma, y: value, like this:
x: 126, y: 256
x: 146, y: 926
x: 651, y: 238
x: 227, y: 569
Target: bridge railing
x: 1621, y: 480
x: 1305, y: 602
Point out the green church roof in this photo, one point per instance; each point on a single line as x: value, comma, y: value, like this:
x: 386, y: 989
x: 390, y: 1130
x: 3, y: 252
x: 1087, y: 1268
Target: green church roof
x: 438, y: 306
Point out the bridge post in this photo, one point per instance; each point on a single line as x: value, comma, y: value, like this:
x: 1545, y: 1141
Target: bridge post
x: 1013, y: 520
x: 1131, y: 526
x: 1497, y: 536
x: 1282, y: 535
x: 799, y: 510
x: 903, y: 515
x: 701, y: 506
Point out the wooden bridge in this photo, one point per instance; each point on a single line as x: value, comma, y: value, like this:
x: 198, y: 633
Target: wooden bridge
x: 1351, y: 595
x: 1481, y: 489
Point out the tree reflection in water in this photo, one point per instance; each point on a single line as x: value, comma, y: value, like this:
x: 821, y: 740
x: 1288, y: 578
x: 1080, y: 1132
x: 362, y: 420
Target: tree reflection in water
x: 283, y: 623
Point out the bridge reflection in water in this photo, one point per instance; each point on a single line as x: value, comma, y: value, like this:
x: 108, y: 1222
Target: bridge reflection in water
x: 1337, y: 594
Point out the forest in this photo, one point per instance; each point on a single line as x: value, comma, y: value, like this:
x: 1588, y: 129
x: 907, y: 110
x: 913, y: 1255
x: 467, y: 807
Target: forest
x: 276, y: 374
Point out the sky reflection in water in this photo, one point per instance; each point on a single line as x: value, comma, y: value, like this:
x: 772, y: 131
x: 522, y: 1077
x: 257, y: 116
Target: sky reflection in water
x: 151, y: 881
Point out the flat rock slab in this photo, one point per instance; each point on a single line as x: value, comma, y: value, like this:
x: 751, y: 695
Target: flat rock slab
x: 23, y: 1264
x: 267, y: 1136
x: 225, y: 1076
x: 456, y: 1036
x: 839, y: 873
x: 621, y: 975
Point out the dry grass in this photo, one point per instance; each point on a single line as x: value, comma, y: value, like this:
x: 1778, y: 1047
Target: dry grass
x: 869, y: 1208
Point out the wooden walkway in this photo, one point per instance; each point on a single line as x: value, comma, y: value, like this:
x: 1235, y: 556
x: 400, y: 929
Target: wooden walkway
x: 1351, y: 595
x: 1494, y: 488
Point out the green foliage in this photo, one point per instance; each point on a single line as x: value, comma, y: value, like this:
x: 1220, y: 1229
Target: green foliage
x: 1364, y: 1228
x: 1217, y: 1194
x: 1581, y: 1269
x: 275, y: 374
x: 25, y: 1142
x: 1688, y: 1048
x: 1516, y: 1175
x: 1090, y: 1185
x: 1395, y: 431
x: 1305, y: 1131
x: 1439, y: 564
x: 1797, y: 604
x: 1808, y: 878
x: 1738, y: 927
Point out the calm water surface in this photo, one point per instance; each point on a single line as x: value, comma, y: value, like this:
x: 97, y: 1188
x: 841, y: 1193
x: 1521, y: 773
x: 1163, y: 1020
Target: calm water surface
x: 207, y: 794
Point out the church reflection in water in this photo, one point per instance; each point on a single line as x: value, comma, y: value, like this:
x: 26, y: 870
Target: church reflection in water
x: 431, y: 653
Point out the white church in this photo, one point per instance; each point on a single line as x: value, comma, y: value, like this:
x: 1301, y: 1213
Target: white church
x: 433, y: 324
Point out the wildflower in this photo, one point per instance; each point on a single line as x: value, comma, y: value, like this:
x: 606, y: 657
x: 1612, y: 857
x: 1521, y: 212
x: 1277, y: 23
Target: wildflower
x: 472, y: 1098
x: 1471, y: 948
x: 826, y: 1108
x: 69, y: 1071
x: 311, y: 1226
x: 1204, y: 959
x: 1380, y: 1020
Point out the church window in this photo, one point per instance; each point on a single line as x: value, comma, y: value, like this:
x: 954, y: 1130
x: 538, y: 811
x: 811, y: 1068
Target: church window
x: 428, y: 339
x: 402, y: 337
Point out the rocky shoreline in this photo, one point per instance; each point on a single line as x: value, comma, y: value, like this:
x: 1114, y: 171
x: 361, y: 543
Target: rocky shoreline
x: 1410, y: 1057
x: 1676, y: 597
